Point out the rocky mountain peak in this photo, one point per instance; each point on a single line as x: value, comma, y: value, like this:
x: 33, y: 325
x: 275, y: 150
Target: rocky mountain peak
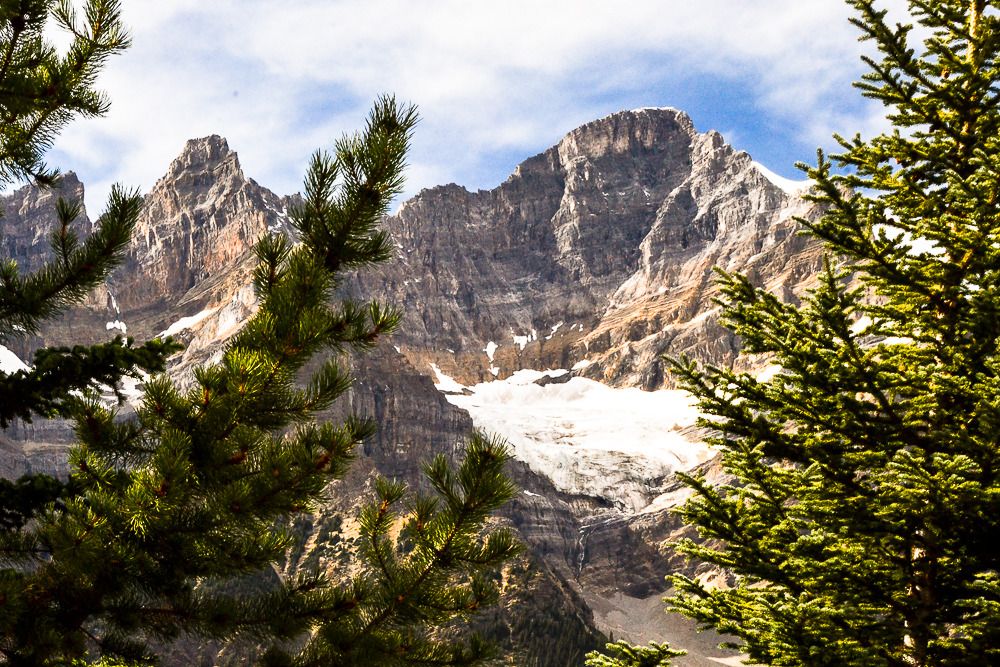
x: 606, y: 241
x: 589, y: 262
x: 203, y: 215
x: 28, y: 215
x: 205, y: 154
x: 69, y: 182
x: 31, y: 195
x: 634, y: 132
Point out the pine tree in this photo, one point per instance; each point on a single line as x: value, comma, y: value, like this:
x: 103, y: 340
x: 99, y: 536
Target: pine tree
x: 168, y: 516
x: 40, y: 91
x: 624, y: 655
x: 859, y: 526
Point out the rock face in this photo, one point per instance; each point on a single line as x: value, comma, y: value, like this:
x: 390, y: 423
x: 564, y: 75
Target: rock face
x: 600, y: 249
x: 595, y: 257
x: 199, y: 221
x: 29, y: 217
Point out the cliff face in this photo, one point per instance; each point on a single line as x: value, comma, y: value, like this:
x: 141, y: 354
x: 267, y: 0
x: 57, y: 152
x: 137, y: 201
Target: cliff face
x: 598, y: 250
x: 594, y: 256
x: 28, y: 218
x: 200, y: 218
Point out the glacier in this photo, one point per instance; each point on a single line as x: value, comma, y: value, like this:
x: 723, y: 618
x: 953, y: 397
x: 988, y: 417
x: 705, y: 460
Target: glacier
x: 588, y: 438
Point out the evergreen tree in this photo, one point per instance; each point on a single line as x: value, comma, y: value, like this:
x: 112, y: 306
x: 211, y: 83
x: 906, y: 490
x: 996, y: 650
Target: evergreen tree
x: 860, y: 523
x: 624, y: 655
x: 167, y: 516
x: 40, y: 91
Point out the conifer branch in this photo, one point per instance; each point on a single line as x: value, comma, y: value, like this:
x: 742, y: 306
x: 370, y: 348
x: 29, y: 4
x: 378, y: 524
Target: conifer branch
x: 858, y: 467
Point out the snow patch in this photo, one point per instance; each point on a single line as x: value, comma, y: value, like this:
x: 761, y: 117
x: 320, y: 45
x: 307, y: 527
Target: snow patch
x: 553, y: 331
x: 522, y: 341
x: 117, y: 324
x: 131, y: 386
x: 445, y: 383
x: 580, y: 365
x: 589, y: 438
x: 490, y: 350
x: 10, y: 363
x: 186, y: 323
x: 786, y: 184
x: 281, y: 216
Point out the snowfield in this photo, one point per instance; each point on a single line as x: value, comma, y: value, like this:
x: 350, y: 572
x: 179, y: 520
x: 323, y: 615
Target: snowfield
x: 9, y: 362
x: 786, y: 184
x: 186, y: 323
x: 588, y: 438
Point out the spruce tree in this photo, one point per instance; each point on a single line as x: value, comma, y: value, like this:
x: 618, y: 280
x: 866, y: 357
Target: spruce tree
x: 169, y: 516
x: 860, y: 522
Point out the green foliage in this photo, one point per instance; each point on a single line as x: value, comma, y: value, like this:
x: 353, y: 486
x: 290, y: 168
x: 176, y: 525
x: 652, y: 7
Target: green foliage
x: 866, y: 472
x: 624, y: 655
x: 26, y: 301
x: 412, y: 586
x: 39, y: 92
x: 51, y: 386
x: 58, y: 374
x: 41, y: 89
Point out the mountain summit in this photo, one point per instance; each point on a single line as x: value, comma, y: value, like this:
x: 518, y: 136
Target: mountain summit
x: 202, y: 155
x: 598, y: 250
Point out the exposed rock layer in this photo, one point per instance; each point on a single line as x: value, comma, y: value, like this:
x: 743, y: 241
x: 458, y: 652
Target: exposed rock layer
x: 601, y: 248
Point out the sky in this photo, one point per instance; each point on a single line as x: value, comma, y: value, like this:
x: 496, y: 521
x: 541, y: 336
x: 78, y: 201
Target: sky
x: 495, y: 82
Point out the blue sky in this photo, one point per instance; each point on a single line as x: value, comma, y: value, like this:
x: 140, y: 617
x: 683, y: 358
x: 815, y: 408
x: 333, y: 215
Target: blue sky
x: 495, y: 82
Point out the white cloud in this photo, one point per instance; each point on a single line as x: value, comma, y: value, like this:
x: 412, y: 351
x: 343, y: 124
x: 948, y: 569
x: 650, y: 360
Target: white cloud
x: 280, y: 79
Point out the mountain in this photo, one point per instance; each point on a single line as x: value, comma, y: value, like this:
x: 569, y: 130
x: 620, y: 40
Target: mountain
x: 605, y: 243
x: 539, y: 309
